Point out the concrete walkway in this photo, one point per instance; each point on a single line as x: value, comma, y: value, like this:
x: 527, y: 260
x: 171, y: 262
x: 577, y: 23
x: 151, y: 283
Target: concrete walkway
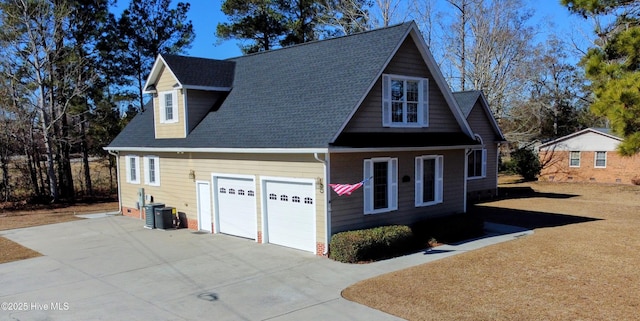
x: 114, y: 269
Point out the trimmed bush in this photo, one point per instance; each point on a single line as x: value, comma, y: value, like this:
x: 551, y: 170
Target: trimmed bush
x: 371, y: 244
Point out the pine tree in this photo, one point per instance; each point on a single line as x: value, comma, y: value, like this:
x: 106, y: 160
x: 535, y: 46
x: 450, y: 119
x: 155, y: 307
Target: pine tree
x: 614, y: 66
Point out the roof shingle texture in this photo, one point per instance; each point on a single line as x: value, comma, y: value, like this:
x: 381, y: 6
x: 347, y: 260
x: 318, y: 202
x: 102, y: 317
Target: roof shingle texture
x: 193, y: 71
x: 466, y: 100
x: 296, y: 97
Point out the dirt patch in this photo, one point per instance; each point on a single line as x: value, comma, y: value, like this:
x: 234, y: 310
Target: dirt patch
x: 580, y: 264
x: 49, y: 214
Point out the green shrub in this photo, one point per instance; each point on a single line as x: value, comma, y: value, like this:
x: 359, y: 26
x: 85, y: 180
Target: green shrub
x: 527, y: 163
x: 371, y: 244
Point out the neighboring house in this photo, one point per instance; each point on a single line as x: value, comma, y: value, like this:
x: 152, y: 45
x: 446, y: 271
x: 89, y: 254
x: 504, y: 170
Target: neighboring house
x: 248, y: 146
x: 482, y: 162
x: 588, y: 155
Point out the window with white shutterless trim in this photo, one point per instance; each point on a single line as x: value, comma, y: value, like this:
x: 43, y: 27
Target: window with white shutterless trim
x: 405, y: 101
x: 152, y: 170
x: 574, y: 159
x: 600, y: 160
x: 380, y: 185
x: 168, y: 106
x: 429, y: 180
x: 477, y: 164
x: 132, y: 168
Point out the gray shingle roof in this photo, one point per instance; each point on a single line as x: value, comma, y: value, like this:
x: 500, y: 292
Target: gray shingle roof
x: 295, y: 97
x: 192, y: 71
x: 466, y: 100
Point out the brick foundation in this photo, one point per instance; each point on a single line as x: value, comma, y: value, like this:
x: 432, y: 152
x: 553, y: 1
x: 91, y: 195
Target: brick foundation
x: 618, y: 169
x: 259, y: 240
x: 320, y: 247
x: 132, y: 212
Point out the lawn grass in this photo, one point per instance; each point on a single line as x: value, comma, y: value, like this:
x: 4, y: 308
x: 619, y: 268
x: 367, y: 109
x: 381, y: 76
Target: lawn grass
x: 12, y: 251
x: 580, y: 264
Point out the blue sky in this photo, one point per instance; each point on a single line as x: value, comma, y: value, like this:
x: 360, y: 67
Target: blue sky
x: 206, y: 14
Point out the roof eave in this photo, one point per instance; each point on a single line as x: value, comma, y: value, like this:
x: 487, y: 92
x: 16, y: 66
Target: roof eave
x: 155, y: 73
x: 578, y: 133
x: 218, y: 150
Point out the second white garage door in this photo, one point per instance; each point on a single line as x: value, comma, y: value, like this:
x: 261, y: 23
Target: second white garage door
x: 236, y: 206
x: 290, y: 215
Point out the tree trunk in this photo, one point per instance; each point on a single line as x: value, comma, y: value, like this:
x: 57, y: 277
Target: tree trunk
x: 85, y: 156
x: 66, y: 181
x: 6, y: 189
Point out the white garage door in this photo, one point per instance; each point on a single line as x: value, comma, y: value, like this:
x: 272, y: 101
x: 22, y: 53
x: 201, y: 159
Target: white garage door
x: 236, y: 206
x: 290, y: 214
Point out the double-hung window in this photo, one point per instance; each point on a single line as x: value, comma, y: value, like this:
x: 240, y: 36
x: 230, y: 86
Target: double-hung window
x: 152, y: 170
x: 380, y: 185
x: 168, y: 106
x: 574, y: 159
x: 132, y: 167
x: 601, y: 160
x: 405, y: 101
x: 477, y: 164
x: 429, y: 180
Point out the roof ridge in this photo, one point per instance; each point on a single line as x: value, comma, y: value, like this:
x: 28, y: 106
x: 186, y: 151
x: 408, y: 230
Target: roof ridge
x: 322, y: 40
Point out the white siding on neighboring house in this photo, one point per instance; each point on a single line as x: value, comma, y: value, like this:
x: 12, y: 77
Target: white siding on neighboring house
x: 588, y: 141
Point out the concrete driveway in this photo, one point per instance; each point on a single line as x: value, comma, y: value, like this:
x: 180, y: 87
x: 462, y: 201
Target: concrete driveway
x: 112, y: 268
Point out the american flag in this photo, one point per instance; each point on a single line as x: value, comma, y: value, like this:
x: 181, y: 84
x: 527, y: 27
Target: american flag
x: 347, y: 189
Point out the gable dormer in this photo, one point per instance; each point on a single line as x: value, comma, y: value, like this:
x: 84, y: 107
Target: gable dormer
x: 184, y: 90
x: 410, y: 95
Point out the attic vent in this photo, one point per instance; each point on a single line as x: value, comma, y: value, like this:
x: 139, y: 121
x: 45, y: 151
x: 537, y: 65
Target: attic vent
x: 308, y: 200
x: 223, y: 190
x: 232, y: 191
x: 240, y: 192
x: 284, y: 198
x: 295, y: 199
x: 250, y: 193
x: 273, y: 196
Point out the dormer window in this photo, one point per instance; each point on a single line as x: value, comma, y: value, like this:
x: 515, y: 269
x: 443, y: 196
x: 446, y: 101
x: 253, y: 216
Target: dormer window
x: 405, y: 101
x: 168, y: 106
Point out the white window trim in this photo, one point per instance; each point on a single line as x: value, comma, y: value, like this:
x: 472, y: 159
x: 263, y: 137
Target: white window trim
x: 127, y: 162
x: 392, y: 185
x: 483, y: 170
x: 163, y: 112
x: 439, y: 188
x: 423, y: 102
x: 595, y: 159
x: 156, y: 164
x: 579, y: 156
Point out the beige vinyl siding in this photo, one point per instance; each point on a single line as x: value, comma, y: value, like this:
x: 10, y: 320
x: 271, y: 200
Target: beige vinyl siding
x: 199, y: 103
x: 178, y: 190
x: 166, y: 82
x: 347, y: 212
x: 407, y: 62
x: 481, y: 125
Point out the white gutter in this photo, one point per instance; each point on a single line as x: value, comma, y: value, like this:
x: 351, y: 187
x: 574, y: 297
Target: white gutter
x: 399, y: 149
x: 466, y: 182
x: 117, y: 178
x: 327, y: 196
x: 219, y: 150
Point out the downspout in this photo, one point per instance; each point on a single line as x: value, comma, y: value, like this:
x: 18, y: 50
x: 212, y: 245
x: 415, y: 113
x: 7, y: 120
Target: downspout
x: 327, y: 217
x: 115, y: 154
x: 467, y: 152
